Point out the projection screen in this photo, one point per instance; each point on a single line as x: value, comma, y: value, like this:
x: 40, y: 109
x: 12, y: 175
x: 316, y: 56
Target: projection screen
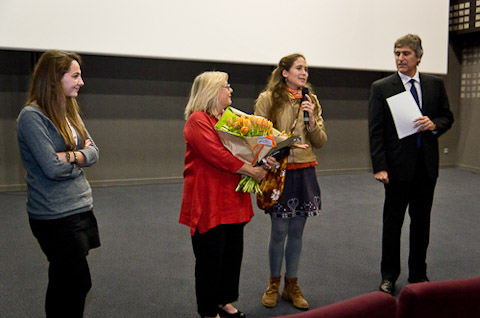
x: 345, y: 34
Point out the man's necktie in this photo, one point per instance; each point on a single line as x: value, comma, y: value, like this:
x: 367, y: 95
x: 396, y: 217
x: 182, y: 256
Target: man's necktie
x: 413, y: 90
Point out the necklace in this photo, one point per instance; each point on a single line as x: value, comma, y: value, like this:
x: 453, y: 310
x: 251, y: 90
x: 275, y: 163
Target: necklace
x: 293, y: 101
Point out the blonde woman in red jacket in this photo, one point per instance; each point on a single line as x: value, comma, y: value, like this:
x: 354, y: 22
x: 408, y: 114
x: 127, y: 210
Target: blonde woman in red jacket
x: 215, y: 213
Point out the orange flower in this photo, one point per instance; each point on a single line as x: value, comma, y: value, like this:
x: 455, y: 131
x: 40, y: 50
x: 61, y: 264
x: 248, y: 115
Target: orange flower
x: 244, y: 130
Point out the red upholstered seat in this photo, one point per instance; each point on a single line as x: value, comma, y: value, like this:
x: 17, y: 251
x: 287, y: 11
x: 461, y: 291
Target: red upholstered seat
x: 372, y: 305
x: 452, y: 299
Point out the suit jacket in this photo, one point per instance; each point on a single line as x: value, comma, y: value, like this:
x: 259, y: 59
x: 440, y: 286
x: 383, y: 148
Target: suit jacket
x: 398, y: 156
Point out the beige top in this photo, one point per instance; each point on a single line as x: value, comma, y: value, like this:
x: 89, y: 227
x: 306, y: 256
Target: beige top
x: 284, y: 119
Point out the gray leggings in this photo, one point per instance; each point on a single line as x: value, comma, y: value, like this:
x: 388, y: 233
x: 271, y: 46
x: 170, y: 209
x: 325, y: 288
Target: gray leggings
x: 281, y: 229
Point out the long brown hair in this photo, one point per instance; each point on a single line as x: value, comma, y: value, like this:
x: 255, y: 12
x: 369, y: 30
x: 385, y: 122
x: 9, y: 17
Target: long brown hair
x: 46, y: 91
x: 276, y: 83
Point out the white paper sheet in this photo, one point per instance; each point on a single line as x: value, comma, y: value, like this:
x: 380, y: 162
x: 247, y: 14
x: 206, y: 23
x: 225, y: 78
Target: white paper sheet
x: 404, y: 110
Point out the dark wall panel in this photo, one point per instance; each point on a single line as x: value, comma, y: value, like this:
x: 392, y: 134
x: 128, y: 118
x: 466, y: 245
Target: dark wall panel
x: 133, y: 107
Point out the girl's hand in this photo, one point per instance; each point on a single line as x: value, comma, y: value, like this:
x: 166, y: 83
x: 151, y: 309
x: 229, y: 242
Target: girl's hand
x: 269, y: 163
x: 308, y: 105
x: 301, y: 146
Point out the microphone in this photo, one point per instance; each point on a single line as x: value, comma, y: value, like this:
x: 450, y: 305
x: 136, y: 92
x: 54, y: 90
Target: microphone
x: 306, y: 118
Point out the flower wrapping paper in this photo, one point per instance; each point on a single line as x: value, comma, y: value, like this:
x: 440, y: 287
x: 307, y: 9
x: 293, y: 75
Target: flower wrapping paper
x: 250, y: 148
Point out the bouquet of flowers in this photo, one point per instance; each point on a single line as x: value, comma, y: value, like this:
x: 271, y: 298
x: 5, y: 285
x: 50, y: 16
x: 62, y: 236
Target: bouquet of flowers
x: 250, y: 138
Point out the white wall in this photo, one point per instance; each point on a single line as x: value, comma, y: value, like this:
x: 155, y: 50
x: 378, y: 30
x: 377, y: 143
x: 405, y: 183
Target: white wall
x: 347, y: 34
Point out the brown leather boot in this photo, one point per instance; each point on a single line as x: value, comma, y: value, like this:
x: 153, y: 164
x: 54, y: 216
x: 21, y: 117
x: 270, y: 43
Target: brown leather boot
x: 269, y: 298
x: 292, y: 292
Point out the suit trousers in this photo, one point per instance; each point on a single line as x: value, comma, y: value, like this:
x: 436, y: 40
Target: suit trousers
x: 417, y: 194
x: 218, y: 259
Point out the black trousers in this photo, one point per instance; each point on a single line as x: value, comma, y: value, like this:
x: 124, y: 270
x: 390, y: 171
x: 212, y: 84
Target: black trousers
x: 68, y: 285
x: 218, y: 259
x: 66, y: 242
x: 417, y: 194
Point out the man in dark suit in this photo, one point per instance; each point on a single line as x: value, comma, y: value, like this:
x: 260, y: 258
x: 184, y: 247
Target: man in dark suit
x: 407, y: 167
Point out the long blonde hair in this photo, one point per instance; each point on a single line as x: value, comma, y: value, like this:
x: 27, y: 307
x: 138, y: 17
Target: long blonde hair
x: 204, y: 93
x: 46, y: 91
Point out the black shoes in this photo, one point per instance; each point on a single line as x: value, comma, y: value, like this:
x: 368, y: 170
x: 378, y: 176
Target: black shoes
x: 225, y: 314
x: 418, y: 280
x: 387, y: 286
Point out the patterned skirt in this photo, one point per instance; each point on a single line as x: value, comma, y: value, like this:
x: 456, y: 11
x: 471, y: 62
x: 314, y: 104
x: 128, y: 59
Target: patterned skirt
x: 301, y: 195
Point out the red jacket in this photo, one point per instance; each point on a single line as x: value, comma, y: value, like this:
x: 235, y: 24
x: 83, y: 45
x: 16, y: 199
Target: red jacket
x: 209, y: 197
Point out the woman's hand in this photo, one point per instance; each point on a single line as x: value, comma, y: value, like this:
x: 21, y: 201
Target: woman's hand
x: 257, y: 173
x: 62, y: 156
x: 269, y: 163
x: 301, y: 146
x: 309, y: 107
